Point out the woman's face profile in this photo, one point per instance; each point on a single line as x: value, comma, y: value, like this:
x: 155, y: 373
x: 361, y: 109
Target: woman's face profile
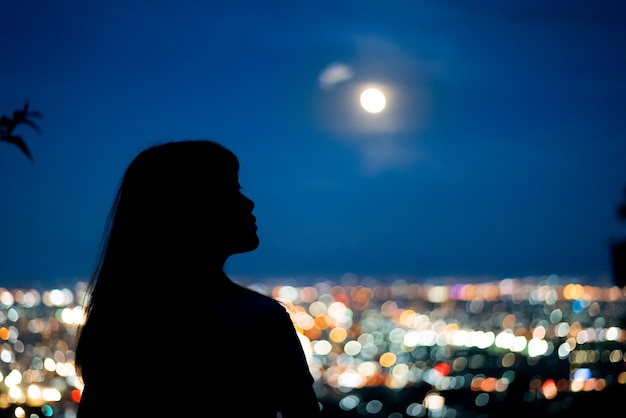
x: 186, y: 195
x: 239, y: 229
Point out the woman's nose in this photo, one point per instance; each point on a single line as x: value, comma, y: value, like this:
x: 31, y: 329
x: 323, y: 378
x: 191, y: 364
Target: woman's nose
x: 248, y: 201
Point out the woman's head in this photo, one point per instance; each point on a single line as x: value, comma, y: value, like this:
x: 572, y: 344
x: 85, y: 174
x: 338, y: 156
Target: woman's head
x: 179, y: 201
x: 179, y: 214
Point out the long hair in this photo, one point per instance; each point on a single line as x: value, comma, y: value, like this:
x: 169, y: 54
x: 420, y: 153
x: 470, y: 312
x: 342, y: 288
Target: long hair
x: 160, y: 223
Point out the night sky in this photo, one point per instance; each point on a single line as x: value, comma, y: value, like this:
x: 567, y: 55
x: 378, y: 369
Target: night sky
x: 501, y: 151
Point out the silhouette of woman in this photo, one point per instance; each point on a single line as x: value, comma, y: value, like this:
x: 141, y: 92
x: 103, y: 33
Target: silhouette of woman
x: 168, y: 333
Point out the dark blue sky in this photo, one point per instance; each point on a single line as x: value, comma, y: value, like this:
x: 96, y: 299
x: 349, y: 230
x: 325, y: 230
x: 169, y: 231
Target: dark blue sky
x: 501, y: 151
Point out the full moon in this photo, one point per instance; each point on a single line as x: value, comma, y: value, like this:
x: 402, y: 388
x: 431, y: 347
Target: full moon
x: 373, y: 100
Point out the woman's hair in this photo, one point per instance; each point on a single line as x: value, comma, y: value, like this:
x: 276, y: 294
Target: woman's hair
x: 168, y: 200
x: 160, y: 223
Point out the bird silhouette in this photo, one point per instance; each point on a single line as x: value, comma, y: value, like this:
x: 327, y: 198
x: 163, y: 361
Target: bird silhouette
x: 20, y: 117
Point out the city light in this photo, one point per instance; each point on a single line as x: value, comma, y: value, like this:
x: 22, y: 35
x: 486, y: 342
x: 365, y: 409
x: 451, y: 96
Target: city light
x: 431, y: 338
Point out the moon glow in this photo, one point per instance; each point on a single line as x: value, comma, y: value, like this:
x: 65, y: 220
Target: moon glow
x: 373, y: 100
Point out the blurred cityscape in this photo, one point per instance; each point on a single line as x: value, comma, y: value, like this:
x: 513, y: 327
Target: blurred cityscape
x: 540, y: 346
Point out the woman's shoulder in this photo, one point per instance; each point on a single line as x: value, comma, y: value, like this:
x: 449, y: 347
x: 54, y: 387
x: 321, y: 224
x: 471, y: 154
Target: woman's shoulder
x: 243, y: 299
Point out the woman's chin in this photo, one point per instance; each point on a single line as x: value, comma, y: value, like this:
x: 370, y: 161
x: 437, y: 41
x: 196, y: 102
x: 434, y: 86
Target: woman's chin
x: 246, y: 247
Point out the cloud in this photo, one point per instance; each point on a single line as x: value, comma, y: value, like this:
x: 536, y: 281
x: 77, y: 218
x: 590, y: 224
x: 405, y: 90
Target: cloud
x: 333, y: 74
x: 384, y: 153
